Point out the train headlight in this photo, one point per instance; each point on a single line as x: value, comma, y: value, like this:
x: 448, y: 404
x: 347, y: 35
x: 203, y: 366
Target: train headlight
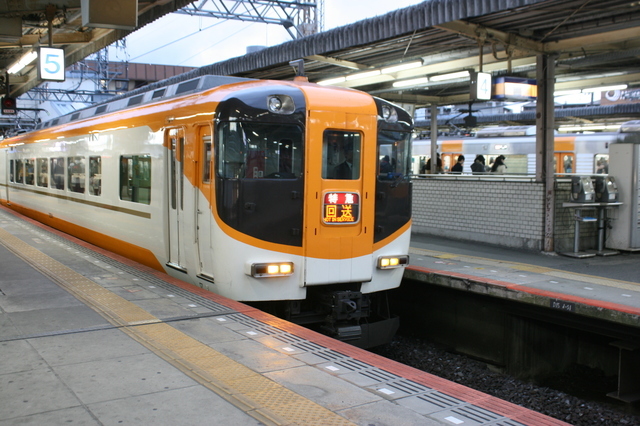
x: 391, y: 262
x: 389, y: 114
x: 273, y: 269
x: 281, y: 104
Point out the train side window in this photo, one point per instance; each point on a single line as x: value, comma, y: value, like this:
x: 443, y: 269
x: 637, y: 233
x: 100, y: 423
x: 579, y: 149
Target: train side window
x: 135, y: 178
x: 57, y: 173
x: 95, y: 175
x: 206, y: 160
x: 76, y: 174
x: 42, y: 170
x: 341, y: 155
x: 19, y: 173
x: 567, y: 163
x: 11, y: 169
x: 394, y: 154
x: 29, y: 172
x: 601, y: 164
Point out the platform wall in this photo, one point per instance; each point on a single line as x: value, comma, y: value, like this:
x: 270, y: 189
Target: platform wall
x: 500, y: 212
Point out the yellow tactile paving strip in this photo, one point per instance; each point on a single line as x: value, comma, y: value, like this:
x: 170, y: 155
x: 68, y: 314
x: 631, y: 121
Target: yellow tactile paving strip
x: 627, y: 285
x: 256, y: 395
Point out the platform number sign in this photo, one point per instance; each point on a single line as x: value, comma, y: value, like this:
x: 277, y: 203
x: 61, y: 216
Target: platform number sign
x: 51, y: 64
x: 481, y: 90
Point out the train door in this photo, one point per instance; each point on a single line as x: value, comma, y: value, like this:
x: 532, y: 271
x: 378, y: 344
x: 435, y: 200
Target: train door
x: 450, y: 152
x: 174, y: 140
x: 204, y: 216
x: 6, y: 170
x: 340, y: 198
x: 564, y: 162
x: 564, y: 154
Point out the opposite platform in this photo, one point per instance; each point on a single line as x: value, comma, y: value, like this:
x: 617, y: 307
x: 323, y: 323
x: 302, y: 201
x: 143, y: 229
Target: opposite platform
x: 606, y: 288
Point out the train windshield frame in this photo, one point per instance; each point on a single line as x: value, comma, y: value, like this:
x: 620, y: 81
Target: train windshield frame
x: 253, y: 150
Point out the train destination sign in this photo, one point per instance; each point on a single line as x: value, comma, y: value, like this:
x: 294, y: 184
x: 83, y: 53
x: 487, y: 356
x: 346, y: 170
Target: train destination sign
x: 341, y: 208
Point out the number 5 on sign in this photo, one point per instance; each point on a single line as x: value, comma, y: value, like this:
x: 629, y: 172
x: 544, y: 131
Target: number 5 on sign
x: 51, y: 64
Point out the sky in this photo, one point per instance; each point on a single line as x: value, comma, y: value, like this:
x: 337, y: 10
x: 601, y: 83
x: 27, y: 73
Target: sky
x: 195, y: 41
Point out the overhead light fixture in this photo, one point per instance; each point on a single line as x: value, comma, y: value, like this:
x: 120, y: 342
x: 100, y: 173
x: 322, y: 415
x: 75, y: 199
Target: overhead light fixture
x: 401, y: 67
x: 331, y: 81
x: 567, y: 92
x: 26, y: 59
x: 413, y: 82
x: 450, y: 76
x: 587, y: 128
x: 361, y: 75
x: 604, y: 88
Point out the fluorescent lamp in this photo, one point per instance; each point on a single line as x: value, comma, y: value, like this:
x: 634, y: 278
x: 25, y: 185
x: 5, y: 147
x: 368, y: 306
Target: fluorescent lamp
x: 23, y: 62
x: 604, y: 88
x: 401, y: 67
x: 331, y: 81
x: 567, y: 92
x: 605, y: 127
x: 450, y: 76
x: 413, y: 82
x: 363, y: 75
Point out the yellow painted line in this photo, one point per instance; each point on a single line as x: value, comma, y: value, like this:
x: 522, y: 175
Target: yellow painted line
x: 251, y: 392
x: 609, y: 282
x: 446, y: 256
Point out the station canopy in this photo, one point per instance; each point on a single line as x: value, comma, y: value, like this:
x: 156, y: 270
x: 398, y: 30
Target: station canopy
x: 419, y: 55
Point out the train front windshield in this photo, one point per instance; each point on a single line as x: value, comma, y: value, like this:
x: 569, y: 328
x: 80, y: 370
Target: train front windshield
x: 258, y: 150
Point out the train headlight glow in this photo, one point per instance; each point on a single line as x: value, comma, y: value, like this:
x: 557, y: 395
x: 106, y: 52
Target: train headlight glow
x: 273, y: 269
x: 391, y: 262
x: 281, y: 104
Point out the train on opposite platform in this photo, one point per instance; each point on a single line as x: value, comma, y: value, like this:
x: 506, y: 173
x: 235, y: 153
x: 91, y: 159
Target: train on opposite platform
x: 582, y: 153
x: 286, y: 194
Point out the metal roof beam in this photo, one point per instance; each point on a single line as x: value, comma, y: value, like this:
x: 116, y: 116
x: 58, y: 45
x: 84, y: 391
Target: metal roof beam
x: 421, y: 100
x: 482, y: 34
x: 337, y: 62
x: 58, y: 39
x: 608, y: 38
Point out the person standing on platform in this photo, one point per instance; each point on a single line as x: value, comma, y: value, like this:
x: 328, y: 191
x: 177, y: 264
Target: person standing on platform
x: 459, y: 166
x: 478, y: 165
x: 499, y: 167
x: 427, y: 167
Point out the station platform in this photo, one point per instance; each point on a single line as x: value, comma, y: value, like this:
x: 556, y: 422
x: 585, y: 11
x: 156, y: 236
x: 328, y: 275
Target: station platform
x: 88, y: 337
x: 602, y: 287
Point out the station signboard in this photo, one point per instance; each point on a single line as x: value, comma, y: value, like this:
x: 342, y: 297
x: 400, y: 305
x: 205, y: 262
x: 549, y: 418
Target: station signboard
x: 51, y: 64
x: 481, y: 86
x: 515, y: 89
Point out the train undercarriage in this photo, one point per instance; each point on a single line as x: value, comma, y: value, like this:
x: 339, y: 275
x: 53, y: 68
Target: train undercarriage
x: 362, y: 320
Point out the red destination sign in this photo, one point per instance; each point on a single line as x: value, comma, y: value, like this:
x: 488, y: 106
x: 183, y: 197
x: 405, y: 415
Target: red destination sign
x: 341, y: 208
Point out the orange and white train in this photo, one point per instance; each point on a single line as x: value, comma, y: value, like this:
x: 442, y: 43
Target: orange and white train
x: 282, y: 192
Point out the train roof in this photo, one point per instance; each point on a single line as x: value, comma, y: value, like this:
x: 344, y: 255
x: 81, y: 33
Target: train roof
x: 492, y: 132
x: 144, y: 95
x: 632, y: 126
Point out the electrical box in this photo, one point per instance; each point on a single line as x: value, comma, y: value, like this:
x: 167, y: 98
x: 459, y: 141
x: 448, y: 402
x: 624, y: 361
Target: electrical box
x: 582, y: 189
x: 624, y: 163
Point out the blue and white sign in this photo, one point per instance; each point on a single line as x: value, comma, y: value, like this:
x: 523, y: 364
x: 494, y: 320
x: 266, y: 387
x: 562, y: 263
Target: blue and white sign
x: 51, y: 64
